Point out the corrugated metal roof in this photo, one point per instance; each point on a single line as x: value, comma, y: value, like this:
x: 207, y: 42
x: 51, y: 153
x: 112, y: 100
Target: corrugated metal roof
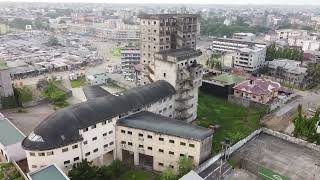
x: 62, y: 127
x: 160, y: 124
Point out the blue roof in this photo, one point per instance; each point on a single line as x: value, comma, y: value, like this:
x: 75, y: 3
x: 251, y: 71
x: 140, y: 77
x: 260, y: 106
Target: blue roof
x: 8, y: 133
x: 48, y: 173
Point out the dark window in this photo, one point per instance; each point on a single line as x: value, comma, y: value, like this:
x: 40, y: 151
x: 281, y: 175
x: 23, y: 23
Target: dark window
x: 96, y: 150
x: 110, y: 132
x: 140, y: 146
x: 182, y: 143
x: 75, y: 146
x: 93, y: 126
x: 85, y: 129
x: 87, y: 154
x: 160, y: 164
x: 161, y: 139
x: 130, y: 143
x: 41, y: 154
x: 164, y: 74
x: 171, y: 153
x: 111, y: 143
x: 32, y: 154
x: 65, y: 150
x: 95, y: 138
x: 150, y: 148
x: 140, y: 135
x: 66, y: 162
x: 129, y: 132
x: 123, y: 142
x: 171, y: 141
x: 161, y: 150
x: 123, y: 131
x: 191, y: 145
x: 149, y: 137
x: 76, y: 159
x: 85, y: 142
x: 105, y: 146
x: 104, y: 134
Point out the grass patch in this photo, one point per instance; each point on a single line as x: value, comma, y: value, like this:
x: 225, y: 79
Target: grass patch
x: 8, y: 171
x: 236, y: 122
x: 116, y: 51
x: 78, y: 82
x: 138, y: 175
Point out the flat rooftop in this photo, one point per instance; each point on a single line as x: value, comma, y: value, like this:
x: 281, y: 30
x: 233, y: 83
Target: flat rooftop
x: 181, y: 54
x: 226, y: 78
x: 285, y: 158
x: 165, y: 16
x: 8, y: 133
x: 160, y: 124
x: 48, y: 173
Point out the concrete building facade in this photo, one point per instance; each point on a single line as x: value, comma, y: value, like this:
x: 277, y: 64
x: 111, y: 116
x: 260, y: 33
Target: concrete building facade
x: 250, y: 59
x: 90, y: 131
x: 130, y: 56
x: 159, y: 143
x: 163, y: 32
x: 181, y: 69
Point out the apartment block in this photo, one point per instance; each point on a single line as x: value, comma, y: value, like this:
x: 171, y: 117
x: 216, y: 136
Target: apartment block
x: 163, y: 32
x: 223, y: 45
x: 130, y: 56
x: 244, y: 36
x: 250, y: 59
x: 156, y: 142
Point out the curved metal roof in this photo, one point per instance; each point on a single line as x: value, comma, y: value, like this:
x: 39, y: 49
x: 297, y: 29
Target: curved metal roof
x: 62, y: 127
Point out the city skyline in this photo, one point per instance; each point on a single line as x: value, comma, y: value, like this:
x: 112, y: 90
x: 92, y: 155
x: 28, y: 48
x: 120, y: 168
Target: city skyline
x: 218, y: 2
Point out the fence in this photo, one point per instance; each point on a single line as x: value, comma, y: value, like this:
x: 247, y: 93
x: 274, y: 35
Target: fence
x: 241, y: 143
x: 232, y: 149
x: 19, y: 170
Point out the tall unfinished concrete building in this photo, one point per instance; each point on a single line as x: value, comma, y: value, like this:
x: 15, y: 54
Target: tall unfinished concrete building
x: 168, y: 43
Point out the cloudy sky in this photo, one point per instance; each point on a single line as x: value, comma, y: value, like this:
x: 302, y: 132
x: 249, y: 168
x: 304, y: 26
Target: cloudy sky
x: 284, y: 2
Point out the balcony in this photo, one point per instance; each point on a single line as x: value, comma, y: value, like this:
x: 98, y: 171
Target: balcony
x: 150, y: 69
x: 183, y: 108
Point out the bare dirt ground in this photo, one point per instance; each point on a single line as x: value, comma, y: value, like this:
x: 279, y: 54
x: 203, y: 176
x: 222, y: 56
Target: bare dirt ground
x: 241, y: 174
x: 28, y: 120
x: 285, y: 158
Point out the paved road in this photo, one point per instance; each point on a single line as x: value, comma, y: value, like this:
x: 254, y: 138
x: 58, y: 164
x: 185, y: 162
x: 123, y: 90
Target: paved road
x: 213, y: 171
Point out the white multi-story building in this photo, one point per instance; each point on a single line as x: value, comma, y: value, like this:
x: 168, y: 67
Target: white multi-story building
x: 230, y: 45
x: 159, y: 143
x: 290, y: 33
x: 97, y: 76
x: 250, y: 59
x: 244, y: 36
x: 87, y: 130
x: 130, y: 57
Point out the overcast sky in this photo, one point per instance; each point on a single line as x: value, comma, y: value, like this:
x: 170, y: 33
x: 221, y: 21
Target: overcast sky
x: 284, y: 2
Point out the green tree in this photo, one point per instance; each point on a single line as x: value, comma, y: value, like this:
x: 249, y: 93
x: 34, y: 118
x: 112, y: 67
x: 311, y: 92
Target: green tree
x: 83, y: 171
x: 117, y: 168
x: 53, y: 41
x: 185, y: 165
x: 306, y: 126
x: 168, y: 174
x: 313, y: 74
x: 24, y: 94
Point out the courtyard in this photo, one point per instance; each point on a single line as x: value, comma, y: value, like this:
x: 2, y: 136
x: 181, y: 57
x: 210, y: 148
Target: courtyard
x: 268, y: 155
x: 234, y: 122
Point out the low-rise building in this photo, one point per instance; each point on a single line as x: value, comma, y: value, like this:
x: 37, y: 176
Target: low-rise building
x: 157, y: 142
x: 288, y: 71
x: 257, y: 90
x: 10, y: 141
x: 51, y: 172
x: 130, y: 56
x: 97, y: 77
x: 314, y: 56
x: 244, y: 36
x: 290, y: 33
x: 6, y: 89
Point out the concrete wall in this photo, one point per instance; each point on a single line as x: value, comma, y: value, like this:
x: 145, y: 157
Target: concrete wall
x: 158, y: 157
x: 245, y: 102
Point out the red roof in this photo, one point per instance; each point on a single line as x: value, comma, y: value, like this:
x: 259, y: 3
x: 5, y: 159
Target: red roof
x: 258, y: 86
